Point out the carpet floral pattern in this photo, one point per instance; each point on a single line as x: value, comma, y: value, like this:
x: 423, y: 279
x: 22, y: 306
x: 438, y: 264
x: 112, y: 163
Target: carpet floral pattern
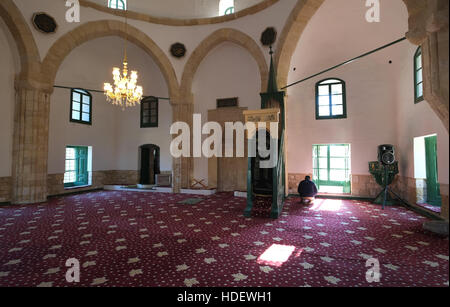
x: 150, y: 239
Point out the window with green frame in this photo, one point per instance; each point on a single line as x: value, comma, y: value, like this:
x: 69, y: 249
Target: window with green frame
x: 226, y: 7
x: 149, y: 112
x: 331, y: 168
x: 117, y: 4
x: 81, y: 106
x: 331, y: 99
x: 418, y: 76
x: 229, y: 10
x: 76, y: 169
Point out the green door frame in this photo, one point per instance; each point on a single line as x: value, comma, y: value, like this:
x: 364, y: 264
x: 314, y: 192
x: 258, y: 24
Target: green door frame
x: 81, y: 161
x: 433, y: 189
x: 316, y: 168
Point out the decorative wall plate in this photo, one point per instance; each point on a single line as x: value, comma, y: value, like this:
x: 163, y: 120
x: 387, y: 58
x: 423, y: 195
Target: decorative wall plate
x: 178, y: 50
x: 269, y: 36
x: 44, y: 23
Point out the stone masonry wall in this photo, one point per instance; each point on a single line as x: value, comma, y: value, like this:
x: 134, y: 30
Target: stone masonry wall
x: 55, y: 182
x: 5, y: 189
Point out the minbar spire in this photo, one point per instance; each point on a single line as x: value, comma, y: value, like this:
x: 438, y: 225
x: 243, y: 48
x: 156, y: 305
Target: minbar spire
x: 272, y: 85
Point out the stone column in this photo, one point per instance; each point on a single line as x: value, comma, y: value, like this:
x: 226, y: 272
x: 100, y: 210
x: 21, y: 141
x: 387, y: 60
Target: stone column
x: 428, y: 27
x: 182, y: 111
x: 30, y: 144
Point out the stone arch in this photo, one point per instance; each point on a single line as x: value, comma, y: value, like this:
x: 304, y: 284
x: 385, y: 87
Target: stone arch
x: 296, y: 23
x: 213, y: 40
x: 97, y: 29
x: 425, y: 20
x: 26, y: 45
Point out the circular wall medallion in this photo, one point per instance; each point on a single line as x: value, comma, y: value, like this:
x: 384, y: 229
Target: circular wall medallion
x: 269, y: 36
x: 44, y: 23
x: 178, y: 50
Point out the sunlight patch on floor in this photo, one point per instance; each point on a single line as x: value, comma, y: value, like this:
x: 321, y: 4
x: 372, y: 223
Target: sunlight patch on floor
x: 276, y: 255
x: 333, y: 205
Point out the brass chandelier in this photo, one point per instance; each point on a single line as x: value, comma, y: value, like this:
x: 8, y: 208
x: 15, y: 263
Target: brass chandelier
x: 125, y: 92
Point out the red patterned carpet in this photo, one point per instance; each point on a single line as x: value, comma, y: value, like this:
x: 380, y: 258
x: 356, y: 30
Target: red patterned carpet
x: 150, y: 239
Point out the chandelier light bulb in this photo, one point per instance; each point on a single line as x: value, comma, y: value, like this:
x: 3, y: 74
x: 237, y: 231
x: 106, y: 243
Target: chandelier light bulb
x: 125, y: 92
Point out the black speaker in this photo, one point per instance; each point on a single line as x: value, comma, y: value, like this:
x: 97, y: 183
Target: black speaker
x: 386, y: 154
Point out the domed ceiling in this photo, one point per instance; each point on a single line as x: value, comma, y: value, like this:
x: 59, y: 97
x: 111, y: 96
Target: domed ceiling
x: 181, y: 9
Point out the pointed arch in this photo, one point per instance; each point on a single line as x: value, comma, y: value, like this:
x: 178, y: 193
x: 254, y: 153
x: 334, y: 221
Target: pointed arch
x: 26, y: 45
x: 97, y: 29
x: 296, y: 23
x: 213, y: 40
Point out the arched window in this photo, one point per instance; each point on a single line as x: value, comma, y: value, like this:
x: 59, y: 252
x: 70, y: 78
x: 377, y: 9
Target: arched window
x: 418, y: 76
x: 226, y: 7
x: 330, y: 99
x: 149, y: 112
x: 81, y: 107
x: 117, y: 4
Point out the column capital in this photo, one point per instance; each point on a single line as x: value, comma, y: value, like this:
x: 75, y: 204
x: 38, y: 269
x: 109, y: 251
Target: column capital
x: 182, y: 99
x: 425, y: 17
x: 31, y: 81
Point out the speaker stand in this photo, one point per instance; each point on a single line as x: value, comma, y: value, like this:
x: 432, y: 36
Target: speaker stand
x: 385, y: 192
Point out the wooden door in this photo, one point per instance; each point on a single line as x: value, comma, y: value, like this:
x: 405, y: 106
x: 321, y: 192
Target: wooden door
x: 433, y: 190
x: 232, y: 174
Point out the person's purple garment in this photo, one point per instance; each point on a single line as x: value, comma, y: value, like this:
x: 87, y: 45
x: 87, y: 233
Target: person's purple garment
x: 307, y: 188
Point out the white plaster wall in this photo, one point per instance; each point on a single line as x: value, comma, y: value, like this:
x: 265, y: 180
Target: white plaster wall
x: 10, y: 65
x: 370, y: 118
x: 129, y: 134
x: 417, y: 120
x: 227, y: 71
x: 112, y: 130
x: 339, y: 32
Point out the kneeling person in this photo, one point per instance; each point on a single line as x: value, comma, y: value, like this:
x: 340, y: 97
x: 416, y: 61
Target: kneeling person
x: 307, y: 190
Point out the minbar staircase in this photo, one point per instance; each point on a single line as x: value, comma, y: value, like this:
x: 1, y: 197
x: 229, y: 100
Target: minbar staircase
x: 266, y: 193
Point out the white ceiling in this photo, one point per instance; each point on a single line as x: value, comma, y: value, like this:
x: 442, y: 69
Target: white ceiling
x: 181, y: 9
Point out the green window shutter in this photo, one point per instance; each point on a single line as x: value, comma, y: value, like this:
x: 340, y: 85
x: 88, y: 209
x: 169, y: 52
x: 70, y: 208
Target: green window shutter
x: 76, y: 172
x: 433, y: 189
x: 82, y: 173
